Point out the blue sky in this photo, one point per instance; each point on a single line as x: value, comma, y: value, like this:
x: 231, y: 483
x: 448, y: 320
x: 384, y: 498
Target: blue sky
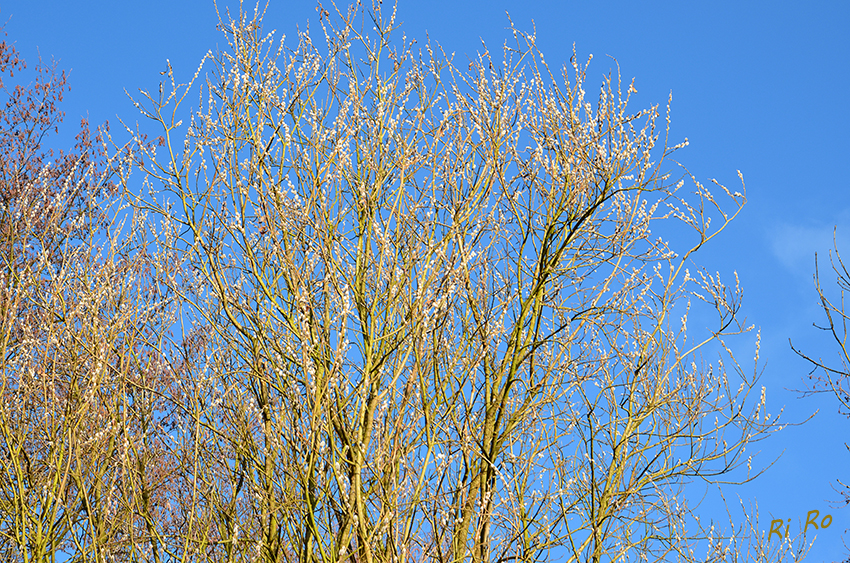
x: 757, y: 86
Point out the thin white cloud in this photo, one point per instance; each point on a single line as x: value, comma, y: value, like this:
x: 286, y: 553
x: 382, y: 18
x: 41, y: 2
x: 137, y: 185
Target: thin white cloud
x: 795, y: 245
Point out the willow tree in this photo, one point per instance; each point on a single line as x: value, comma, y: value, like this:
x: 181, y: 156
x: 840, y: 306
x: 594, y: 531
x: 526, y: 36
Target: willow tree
x: 422, y: 313
x: 833, y: 376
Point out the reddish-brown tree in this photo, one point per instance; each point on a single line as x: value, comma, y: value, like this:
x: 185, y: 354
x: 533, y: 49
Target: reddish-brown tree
x: 68, y: 339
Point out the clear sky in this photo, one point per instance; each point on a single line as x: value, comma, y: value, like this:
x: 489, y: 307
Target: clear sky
x: 757, y: 86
